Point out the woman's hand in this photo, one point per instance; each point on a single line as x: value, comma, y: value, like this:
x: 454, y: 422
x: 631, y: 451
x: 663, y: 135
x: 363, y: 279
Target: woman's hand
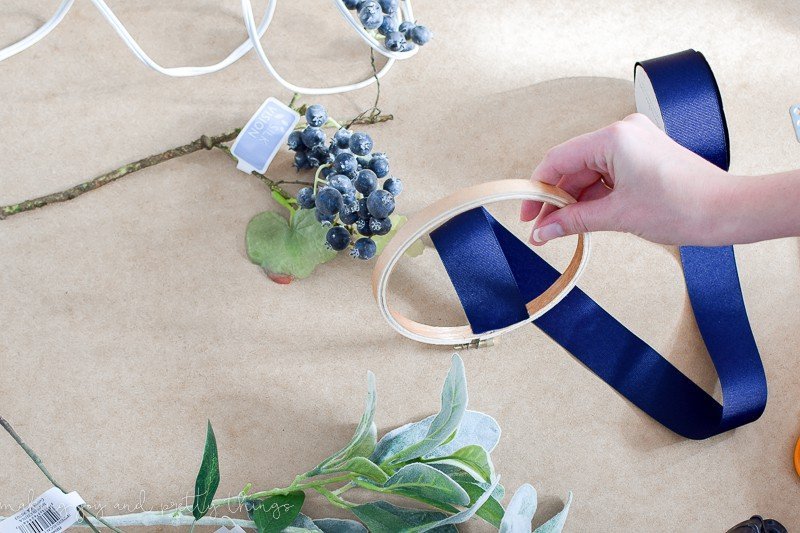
x: 631, y: 177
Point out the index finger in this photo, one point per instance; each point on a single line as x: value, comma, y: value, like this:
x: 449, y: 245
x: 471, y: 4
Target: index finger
x: 584, y: 152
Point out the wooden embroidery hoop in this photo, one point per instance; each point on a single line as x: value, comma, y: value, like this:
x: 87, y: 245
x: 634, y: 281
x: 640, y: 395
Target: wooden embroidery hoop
x: 440, y: 212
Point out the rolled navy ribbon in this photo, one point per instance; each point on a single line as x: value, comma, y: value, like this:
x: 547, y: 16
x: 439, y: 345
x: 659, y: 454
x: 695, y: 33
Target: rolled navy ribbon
x: 684, y: 100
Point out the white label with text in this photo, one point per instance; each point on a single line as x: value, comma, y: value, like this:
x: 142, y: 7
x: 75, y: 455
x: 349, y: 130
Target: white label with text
x: 52, y: 512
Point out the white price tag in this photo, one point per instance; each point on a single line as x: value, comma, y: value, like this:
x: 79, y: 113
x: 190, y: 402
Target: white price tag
x: 52, y: 512
x: 263, y: 136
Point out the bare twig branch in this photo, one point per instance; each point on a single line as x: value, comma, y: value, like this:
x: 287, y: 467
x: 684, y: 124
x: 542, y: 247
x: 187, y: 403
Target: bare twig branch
x: 203, y: 142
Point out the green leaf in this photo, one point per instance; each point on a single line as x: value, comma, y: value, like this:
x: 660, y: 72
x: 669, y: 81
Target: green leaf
x: 287, y: 249
x: 520, y: 511
x: 302, y: 524
x: 275, y: 513
x: 462, y: 478
x: 454, y: 403
x: 362, y: 444
x: 475, y: 428
x: 336, y: 525
x: 363, y: 467
x: 205, y: 486
x: 471, y: 459
x: 382, y: 240
x: 459, y: 517
x: 491, y: 511
x: 556, y: 524
x: 383, y: 517
x: 423, y: 482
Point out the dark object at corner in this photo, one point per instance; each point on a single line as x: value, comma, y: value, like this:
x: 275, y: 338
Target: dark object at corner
x: 758, y: 525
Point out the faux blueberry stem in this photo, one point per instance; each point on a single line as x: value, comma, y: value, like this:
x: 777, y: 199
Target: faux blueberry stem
x: 317, y: 179
x: 274, y: 187
x: 205, y: 142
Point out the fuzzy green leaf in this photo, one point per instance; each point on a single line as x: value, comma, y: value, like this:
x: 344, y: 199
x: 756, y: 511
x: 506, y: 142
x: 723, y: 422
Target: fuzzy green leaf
x: 461, y: 477
x: 425, y: 483
x: 362, y: 444
x: 520, y: 511
x: 459, y: 517
x: 382, y: 240
x: 475, y: 428
x: 363, y: 467
x: 454, y: 403
x: 383, y: 517
x: 207, y: 481
x: 302, y: 524
x: 491, y: 511
x: 336, y: 525
x: 556, y: 524
x: 275, y: 513
x: 471, y: 459
x: 285, y: 248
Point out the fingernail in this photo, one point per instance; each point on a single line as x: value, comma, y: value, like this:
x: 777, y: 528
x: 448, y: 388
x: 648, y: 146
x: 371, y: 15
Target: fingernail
x: 548, y: 232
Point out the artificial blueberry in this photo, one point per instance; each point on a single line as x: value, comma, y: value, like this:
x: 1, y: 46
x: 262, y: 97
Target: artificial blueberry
x: 360, y: 143
x: 388, y: 25
x: 405, y: 27
x: 379, y: 165
x: 393, y: 185
x: 305, y: 198
x: 295, y: 142
x: 395, y: 41
x: 321, y: 152
x: 300, y: 160
x: 341, y: 183
x: 380, y: 203
x: 344, y: 163
x: 342, y: 138
x: 312, y: 136
x: 366, y: 182
x: 364, y: 248
x: 349, y: 212
x: 338, y: 238
x: 363, y: 226
x: 363, y: 212
x: 388, y: 6
x: 329, y: 201
x: 370, y: 15
x: 316, y: 115
x: 380, y: 226
x: 420, y: 35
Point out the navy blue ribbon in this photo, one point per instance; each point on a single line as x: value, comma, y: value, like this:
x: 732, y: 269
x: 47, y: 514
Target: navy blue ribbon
x: 494, y: 274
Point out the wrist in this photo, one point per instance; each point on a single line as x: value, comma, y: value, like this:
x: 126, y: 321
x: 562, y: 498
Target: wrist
x: 724, y: 206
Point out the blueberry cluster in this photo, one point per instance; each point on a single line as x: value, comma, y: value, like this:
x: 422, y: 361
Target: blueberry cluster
x: 351, y: 198
x: 382, y: 15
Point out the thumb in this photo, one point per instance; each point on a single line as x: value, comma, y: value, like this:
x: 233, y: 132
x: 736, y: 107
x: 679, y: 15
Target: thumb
x: 581, y: 217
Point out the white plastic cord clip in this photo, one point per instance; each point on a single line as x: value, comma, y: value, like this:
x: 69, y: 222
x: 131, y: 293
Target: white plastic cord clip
x: 255, y: 33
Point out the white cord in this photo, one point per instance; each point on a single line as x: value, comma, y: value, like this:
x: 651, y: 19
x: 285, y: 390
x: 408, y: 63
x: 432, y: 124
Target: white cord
x: 39, y: 34
x: 250, y: 24
x: 181, y: 72
x: 255, y: 33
